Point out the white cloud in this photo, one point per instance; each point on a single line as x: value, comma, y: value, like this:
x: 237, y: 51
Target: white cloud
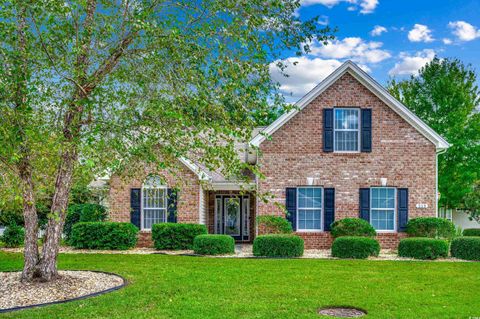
x: 410, y: 64
x: 447, y: 41
x: 464, y: 31
x: 353, y: 48
x: 378, y: 30
x: 323, y: 20
x: 304, y: 74
x: 366, y: 6
x: 420, y: 33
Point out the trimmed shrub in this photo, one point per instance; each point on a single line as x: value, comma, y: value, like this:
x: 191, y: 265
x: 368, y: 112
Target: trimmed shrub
x: 278, y: 245
x: 103, y: 235
x: 472, y: 232
x: 274, y: 224
x: 214, y: 245
x: 352, y: 227
x: 431, y: 227
x: 355, y: 247
x: 83, y: 213
x: 467, y: 248
x: 423, y: 248
x: 176, y: 236
x: 13, y: 236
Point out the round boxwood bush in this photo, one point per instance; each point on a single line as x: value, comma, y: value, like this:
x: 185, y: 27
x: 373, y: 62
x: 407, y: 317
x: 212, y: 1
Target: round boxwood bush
x: 355, y: 247
x: 173, y: 236
x: 423, y: 248
x: 431, y: 227
x: 352, y: 227
x: 278, y: 245
x: 83, y: 213
x: 214, y: 245
x: 467, y: 248
x: 104, y: 235
x: 274, y: 224
x: 471, y: 232
x: 13, y: 236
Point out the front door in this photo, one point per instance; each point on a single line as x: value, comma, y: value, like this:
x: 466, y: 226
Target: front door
x: 232, y: 216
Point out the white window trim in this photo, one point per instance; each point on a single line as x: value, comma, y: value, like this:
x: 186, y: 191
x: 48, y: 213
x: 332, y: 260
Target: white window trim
x: 321, y: 212
x: 348, y: 130
x: 394, y: 230
x: 142, y: 222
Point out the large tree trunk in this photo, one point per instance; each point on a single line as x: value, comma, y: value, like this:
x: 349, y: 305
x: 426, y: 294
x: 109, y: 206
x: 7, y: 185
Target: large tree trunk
x: 47, y: 268
x: 30, y: 251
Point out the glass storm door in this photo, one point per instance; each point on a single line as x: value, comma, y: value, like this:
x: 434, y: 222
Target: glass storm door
x: 232, y: 218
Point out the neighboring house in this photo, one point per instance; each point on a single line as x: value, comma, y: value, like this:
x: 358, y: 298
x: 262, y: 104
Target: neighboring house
x: 458, y: 217
x: 349, y: 150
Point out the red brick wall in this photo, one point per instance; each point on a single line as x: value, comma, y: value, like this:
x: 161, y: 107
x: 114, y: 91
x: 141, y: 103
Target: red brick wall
x: 183, y: 178
x: 399, y: 153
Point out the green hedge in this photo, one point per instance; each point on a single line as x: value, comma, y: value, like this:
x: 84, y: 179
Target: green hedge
x: 83, y: 213
x: 176, y: 236
x: 472, y: 232
x: 278, y: 245
x: 274, y: 224
x: 423, y: 248
x: 431, y: 227
x: 352, y: 227
x: 13, y: 236
x: 103, y: 235
x: 467, y: 248
x: 355, y: 247
x: 214, y: 245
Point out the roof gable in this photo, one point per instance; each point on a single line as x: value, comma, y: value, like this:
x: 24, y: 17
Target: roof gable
x: 372, y: 85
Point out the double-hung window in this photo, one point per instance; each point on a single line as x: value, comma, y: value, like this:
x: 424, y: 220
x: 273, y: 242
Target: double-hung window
x: 383, y: 208
x: 154, y: 202
x: 309, y: 208
x: 346, y: 130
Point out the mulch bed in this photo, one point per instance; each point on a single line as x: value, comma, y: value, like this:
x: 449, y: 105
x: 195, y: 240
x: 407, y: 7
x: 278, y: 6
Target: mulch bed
x: 70, y: 285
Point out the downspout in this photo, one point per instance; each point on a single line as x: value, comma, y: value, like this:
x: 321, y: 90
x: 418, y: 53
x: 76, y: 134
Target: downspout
x: 442, y: 151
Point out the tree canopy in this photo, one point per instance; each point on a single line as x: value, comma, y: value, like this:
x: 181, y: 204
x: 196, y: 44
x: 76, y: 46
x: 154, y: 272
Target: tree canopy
x: 445, y: 95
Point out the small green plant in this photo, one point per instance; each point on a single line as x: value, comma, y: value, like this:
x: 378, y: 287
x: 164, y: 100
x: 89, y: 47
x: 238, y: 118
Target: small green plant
x: 104, y: 235
x: 355, y: 247
x: 214, y: 245
x: 423, y: 248
x: 352, y: 227
x: 431, y: 227
x: 83, y: 213
x: 274, y: 224
x: 471, y: 232
x: 278, y: 245
x: 173, y: 236
x: 467, y: 248
x: 13, y: 236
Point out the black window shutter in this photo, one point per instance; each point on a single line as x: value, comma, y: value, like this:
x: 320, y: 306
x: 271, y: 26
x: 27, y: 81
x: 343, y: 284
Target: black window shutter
x: 329, y: 208
x: 172, y: 205
x: 366, y: 130
x: 135, y: 206
x: 328, y: 130
x: 365, y: 204
x: 402, y: 208
x: 291, y: 205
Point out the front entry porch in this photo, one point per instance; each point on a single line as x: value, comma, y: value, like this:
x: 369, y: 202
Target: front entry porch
x: 232, y: 213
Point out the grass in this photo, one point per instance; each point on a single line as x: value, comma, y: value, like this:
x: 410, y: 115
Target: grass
x: 195, y: 287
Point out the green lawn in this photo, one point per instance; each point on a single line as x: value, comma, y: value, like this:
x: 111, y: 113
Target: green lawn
x: 194, y: 287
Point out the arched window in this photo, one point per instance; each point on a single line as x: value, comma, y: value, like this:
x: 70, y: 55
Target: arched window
x: 154, y: 202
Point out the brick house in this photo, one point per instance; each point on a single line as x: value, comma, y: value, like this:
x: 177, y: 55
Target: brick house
x: 349, y: 149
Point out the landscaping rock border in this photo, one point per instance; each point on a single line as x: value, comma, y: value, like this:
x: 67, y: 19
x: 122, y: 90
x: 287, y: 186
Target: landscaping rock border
x: 81, y: 297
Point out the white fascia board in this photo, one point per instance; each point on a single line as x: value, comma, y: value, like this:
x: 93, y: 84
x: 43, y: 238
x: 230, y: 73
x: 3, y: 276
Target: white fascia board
x: 232, y: 186
x: 350, y: 67
x: 194, y: 168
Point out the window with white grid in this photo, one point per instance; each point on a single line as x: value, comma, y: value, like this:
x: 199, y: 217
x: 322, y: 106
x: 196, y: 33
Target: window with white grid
x: 154, y: 202
x: 309, y: 208
x: 382, y: 208
x: 346, y: 130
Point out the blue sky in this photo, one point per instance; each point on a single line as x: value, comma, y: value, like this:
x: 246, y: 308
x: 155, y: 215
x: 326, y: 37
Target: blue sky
x: 408, y: 34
